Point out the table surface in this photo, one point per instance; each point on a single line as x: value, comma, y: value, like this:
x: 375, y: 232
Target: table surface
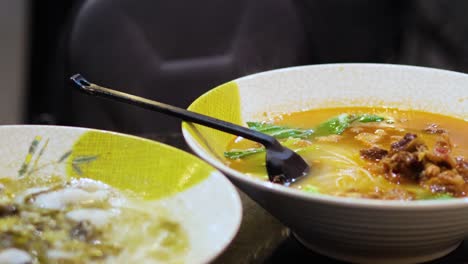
x: 263, y: 239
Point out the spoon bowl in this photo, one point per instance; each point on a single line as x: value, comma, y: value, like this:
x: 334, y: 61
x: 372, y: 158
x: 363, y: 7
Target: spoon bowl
x: 284, y: 166
x: 356, y: 230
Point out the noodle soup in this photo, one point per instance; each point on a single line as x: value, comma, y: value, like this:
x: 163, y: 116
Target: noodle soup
x: 57, y: 220
x: 378, y: 153
x: 76, y: 195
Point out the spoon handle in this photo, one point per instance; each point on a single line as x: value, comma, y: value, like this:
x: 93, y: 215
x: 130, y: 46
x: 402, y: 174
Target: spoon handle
x: 93, y: 89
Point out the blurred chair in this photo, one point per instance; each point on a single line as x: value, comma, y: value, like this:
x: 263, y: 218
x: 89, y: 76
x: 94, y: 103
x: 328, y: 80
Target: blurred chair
x: 172, y: 52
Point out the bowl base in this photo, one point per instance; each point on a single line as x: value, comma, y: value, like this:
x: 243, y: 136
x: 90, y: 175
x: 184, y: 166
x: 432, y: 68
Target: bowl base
x: 403, y: 259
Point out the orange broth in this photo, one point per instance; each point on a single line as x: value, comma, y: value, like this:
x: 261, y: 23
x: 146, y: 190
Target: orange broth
x: 337, y: 167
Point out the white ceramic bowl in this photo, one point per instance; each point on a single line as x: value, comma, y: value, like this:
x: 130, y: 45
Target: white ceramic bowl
x: 352, y: 229
x: 182, y: 183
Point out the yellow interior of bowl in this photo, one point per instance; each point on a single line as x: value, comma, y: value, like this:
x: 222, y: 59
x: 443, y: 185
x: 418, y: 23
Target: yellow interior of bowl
x: 151, y: 169
x: 223, y: 103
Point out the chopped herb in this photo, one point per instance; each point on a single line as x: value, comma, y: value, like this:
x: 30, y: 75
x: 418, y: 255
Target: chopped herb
x: 367, y: 118
x: 431, y: 196
x: 279, y: 132
x: 333, y: 126
x: 240, y: 153
x: 443, y: 196
x: 337, y: 125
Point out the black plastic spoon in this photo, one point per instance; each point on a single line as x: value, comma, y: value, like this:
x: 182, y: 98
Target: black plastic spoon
x: 283, y: 165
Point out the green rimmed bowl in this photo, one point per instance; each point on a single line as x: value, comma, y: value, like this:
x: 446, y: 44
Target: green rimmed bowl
x: 351, y: 229
x: 182, y: 183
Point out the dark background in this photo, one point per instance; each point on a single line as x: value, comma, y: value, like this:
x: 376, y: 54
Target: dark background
x: 173, y: 51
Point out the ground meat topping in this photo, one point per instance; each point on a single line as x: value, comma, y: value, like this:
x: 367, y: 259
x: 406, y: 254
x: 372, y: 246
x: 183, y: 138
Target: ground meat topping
x: 410, y: 143
x: 401, y: 144
x: 373, y: 154
x: 462, y: 167
x: 403, y: 164
x: 409, y: 159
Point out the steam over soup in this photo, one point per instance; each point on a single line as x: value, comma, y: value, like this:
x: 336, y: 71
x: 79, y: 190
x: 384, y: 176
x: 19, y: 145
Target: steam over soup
x: 58, y: 220
x: 376, y: 153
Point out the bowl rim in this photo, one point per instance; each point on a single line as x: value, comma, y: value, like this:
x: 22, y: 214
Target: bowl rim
x: 352, y: 64
x: 238, y: 209
x: 402, y: 205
